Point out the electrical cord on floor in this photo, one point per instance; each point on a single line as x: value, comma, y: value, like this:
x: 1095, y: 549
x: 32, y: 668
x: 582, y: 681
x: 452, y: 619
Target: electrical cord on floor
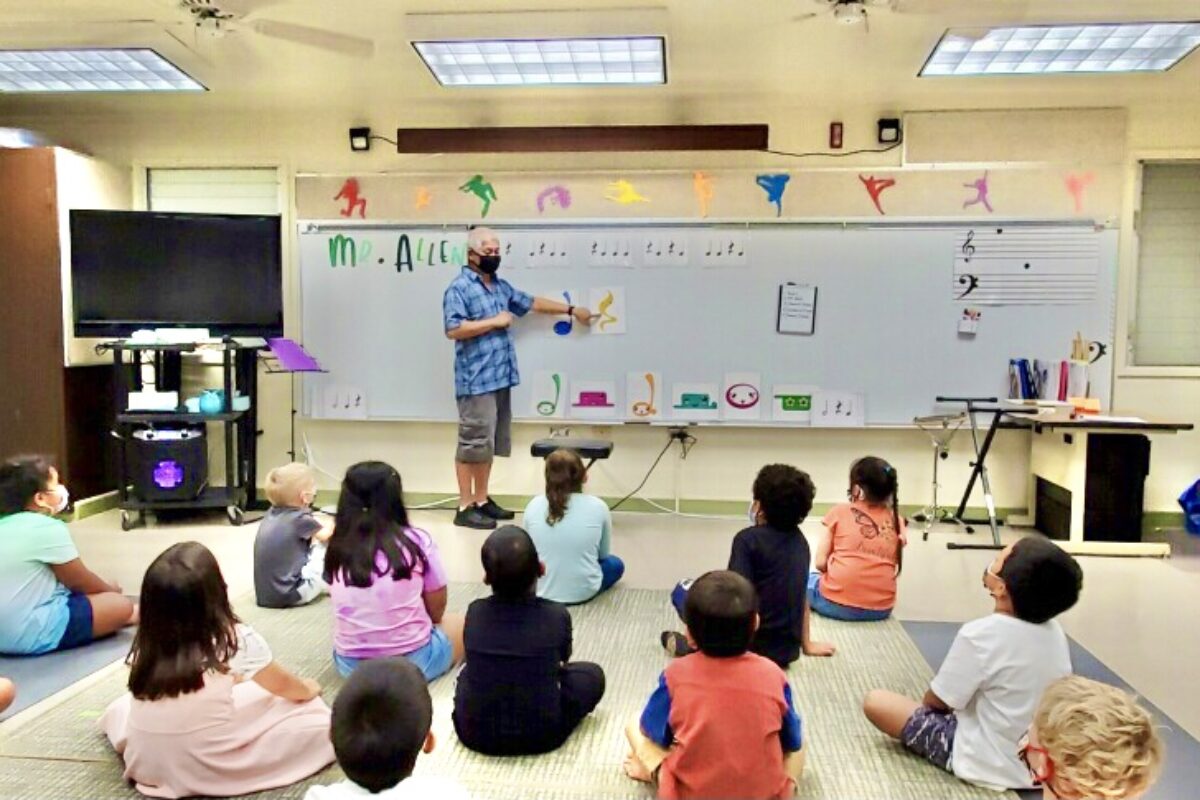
x: 687, y: 441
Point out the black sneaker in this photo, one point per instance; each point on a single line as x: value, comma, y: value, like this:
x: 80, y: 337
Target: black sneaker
x: 675, y: 643
x: 493, y: 510
x: 472, y: 517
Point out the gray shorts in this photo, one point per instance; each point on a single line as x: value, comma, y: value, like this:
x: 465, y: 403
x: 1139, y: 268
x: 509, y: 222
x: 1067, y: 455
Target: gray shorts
x: 484, y: 427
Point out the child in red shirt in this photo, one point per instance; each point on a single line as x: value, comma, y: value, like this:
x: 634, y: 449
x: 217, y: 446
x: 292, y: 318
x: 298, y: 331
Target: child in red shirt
x: 721, y: 722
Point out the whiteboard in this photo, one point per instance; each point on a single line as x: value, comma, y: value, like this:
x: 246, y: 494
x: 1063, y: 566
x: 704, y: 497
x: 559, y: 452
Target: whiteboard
x: 885, y: 330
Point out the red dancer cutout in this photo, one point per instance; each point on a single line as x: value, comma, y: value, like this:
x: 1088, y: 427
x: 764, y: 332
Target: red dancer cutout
x: 350, y: 193
x: 875, y: 187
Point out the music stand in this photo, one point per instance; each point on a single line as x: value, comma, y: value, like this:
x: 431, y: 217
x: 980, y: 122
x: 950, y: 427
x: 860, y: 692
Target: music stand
x: 941, y: 429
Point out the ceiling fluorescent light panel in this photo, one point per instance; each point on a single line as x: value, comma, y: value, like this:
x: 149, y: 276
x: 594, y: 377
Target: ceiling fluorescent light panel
x: 1059, y: 49
x: 91, y: 70
x: 637, y: 60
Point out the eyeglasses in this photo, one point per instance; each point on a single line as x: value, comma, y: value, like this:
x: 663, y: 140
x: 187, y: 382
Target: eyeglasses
x: 1043, y: 776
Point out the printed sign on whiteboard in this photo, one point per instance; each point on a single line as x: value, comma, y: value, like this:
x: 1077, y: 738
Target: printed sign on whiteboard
x: 797, y: 312
x: 550, y: 394
x: 999, y: 266
x: 838, y: 410
x: 643, y: 396
x: 723, y: 249
x: 742, y: 398
x: 666, y: 250
x: 341, y: 401
x: 610, y: 251
x: 695, y: 401
x: 791, y: 402
x: 594, y: 400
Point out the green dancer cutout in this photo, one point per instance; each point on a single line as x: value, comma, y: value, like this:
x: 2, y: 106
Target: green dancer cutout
x: 481, y: 189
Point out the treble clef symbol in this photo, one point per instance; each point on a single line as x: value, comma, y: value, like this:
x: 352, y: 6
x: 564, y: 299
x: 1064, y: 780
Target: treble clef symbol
x: 968, y: 249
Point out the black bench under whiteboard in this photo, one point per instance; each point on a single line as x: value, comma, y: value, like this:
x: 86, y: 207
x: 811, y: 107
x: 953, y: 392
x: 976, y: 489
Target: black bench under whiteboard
x: 591, y: 449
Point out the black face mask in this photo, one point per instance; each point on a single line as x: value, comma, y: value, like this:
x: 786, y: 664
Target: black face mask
x: 489, y: 264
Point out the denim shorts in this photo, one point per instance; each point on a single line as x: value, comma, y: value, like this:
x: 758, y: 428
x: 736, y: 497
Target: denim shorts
x: 434, y: 659
x: 79, y: 624
x: 828, y: 608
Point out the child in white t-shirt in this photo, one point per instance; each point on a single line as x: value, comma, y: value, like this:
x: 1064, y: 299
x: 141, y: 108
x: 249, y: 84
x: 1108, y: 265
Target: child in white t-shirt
x: 982, y: 700
x: 381, y: 721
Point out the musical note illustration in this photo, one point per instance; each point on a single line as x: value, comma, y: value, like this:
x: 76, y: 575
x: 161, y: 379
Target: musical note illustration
x: 606, y: 318
x: 968, y: 249
x: 563, y: 326
x: 1099, y: 348
x: 645, y: 408
x: 547, y: 408
x: 595, y: 246
x: 709, y: 251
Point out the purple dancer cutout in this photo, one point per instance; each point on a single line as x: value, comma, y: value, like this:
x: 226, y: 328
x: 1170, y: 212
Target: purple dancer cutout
x: 980, y: 185
x: 557, y: 195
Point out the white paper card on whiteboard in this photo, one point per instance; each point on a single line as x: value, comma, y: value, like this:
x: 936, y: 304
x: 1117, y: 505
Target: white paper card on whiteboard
x: 838, y: 410
x: 695, y: 401
x: 792, y: 402
x: 644, y: 396
x: 608, y: 308
x: 594, y: 400
x: 610, y: 251
x: 723, y: 249
x: 742, y: 398
x: 666, y: 250
x: 1022, y: 266
x: 797, y: 308
x: 342, y: 401
x: 550, y: 392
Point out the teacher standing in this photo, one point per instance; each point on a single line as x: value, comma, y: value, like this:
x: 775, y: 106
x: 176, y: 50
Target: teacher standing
x: 478, y: 310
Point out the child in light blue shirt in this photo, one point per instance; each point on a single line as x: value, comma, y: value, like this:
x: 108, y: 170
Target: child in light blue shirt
x: 572, y: 532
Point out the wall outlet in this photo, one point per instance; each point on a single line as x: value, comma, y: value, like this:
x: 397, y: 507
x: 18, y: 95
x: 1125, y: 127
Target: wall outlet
x: 559, y: 430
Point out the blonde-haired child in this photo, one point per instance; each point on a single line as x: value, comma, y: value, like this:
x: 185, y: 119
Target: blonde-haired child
x: 289, y: 550
x: 1091, y: 740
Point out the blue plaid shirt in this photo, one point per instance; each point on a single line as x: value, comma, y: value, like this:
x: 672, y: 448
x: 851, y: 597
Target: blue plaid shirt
x: 489, y: 362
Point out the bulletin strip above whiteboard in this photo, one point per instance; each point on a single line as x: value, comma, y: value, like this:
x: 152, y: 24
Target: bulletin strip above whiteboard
x: 687, y: 315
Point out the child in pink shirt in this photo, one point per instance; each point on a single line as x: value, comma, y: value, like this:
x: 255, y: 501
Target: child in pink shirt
x: 859, y: 556
x: 386, y: 580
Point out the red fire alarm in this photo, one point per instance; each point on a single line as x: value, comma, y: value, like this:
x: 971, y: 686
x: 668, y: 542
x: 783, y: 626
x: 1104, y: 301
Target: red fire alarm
x: 835, y: 136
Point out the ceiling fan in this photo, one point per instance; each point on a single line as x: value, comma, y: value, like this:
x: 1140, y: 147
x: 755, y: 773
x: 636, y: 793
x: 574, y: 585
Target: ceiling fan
x: 858, y: 12
x: 218, y: 18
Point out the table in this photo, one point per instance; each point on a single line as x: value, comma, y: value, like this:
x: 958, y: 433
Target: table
x: 1087, y: 480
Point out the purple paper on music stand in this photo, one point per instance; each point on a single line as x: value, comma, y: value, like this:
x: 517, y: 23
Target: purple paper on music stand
x: 292, y: 356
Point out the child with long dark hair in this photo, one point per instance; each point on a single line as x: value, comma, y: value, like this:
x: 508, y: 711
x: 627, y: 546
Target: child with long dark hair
x: 386, y: 579
x: 862, y: 549
x: 209, y: 711
x: 573, y: 534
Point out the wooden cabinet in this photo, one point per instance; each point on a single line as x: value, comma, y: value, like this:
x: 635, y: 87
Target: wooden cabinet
x: 46, y: 407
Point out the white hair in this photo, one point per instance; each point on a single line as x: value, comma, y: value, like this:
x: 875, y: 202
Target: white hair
x: 478, y: 236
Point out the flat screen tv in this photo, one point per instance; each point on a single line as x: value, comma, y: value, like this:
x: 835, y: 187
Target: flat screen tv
x: 147, y: 269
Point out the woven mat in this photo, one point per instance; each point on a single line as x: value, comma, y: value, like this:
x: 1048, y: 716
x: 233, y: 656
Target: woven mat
x: 60, y: 754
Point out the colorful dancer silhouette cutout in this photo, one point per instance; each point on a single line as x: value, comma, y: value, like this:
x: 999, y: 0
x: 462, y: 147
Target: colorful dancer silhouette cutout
x: 875, y: 187
x: 353, y: 197
x: 557, y: 195
x: 702, y: 186
x: 481, y: 189
x: 623, y: 192
x: 422, y: 198
x: 606, y: 318
x: 1077, y: 186
x: 980, y: 185
x: 774, y: 186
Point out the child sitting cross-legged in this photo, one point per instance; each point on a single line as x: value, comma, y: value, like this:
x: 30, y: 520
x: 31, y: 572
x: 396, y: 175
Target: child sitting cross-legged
x: 982, y: 700
x: 289, y: 548
x: 519, y: 693
x: 381, y: 725
x: 721, y: 722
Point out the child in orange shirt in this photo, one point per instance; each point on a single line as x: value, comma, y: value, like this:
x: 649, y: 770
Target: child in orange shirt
x: 860, y: 554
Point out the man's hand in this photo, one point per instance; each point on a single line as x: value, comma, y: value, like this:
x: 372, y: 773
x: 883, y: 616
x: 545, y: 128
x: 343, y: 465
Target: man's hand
x: 582, y: 314
x: 502, y: 320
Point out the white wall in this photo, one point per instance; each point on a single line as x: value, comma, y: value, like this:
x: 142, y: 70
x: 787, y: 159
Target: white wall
x: 723, y: 464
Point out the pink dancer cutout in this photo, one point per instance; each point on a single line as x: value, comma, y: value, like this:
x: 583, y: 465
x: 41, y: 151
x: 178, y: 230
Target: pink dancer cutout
x: 875, y: 187
x: 980, y: 185
x: 351, y: 194
x: 1077, y: 186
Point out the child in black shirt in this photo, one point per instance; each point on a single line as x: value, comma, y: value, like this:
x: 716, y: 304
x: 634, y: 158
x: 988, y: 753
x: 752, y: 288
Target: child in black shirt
x: 517, y: 694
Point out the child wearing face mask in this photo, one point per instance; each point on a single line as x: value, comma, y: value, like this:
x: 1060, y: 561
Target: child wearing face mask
x: 289, y: 548
x: 982, y: 701
x: 49, y: 600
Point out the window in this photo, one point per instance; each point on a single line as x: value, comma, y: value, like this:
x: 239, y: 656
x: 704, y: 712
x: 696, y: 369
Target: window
x: 1167, y: 324
x: 213, y: 191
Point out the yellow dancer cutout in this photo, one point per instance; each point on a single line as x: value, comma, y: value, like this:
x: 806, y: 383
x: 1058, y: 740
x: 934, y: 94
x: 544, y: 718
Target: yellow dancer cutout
x: 423, y: 198
x: 606, y: 318
x: 622, y: 192
x: 702, y: 185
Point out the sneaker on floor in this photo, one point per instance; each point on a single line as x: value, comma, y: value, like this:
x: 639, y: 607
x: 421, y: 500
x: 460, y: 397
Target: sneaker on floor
x: 473, y: 518
x: 492, y: 509
x: 675, y: 643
